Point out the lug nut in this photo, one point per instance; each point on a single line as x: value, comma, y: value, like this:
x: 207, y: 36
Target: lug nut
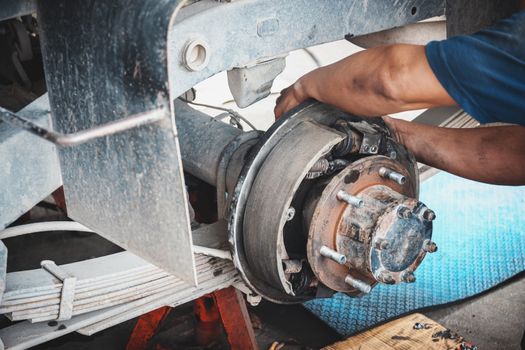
x: 409, y: 277
x: 358, y: 284
x: 382, y: 244
x: 348, y: 198
x: 429, y: 215
x: 386, y: 278
x: 404, y: 212
x: 392, y: 175
x: 333, y: 255
x: 429, y: 246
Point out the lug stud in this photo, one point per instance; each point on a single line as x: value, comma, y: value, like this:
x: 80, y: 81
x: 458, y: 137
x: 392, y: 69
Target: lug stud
x: 429, y: 246
x: 348, y: 198
x: 333, y: 255
x: 429, y: 215
x: 409, y: 277
x: 392, y: 175
x: 358, y: 284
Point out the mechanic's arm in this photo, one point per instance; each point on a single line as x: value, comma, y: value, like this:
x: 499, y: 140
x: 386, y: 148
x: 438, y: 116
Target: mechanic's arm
x: 377, y: 81
x: 489, y: 154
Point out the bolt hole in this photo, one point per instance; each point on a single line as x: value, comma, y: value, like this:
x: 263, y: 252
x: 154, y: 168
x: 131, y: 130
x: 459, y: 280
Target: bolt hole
x: 196, y: 55
x: 413, y: 11
x: 352, y: 177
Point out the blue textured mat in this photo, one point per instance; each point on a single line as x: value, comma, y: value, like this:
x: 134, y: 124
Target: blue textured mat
x: 480, y: 232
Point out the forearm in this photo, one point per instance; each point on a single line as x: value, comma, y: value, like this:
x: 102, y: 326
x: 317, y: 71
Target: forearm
x: 353, y: 84
x: 492, y: 154
x: 378, y: 81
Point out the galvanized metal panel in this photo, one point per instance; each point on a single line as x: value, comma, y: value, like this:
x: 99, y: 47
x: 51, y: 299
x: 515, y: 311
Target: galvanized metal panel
x: 105, y: 60
x: 15, y: 8
x: 29, y: 169
x: 236, y: 33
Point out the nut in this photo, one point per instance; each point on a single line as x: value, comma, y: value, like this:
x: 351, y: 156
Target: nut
x: 429, y: 215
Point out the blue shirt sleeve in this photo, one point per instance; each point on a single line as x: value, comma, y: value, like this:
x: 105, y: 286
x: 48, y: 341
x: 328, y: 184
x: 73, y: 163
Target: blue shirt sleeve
x: 485, y: 72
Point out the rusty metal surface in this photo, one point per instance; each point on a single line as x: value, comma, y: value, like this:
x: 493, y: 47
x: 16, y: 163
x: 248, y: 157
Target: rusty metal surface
x: 407, y: 231
x: 329, y: 218
x: 129, y: 187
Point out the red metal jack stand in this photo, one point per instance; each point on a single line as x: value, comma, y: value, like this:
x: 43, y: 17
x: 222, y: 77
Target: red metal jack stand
x: 235, y: 319
x: 227, y: 304
x: 146, y: 327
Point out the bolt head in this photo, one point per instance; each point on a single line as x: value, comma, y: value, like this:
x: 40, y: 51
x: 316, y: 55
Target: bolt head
x: 430, y: 247
x: 382, y: 244
x: 386, y: 278
x: 404, y: 213
x: 409, y: 277
x: 429, y: 215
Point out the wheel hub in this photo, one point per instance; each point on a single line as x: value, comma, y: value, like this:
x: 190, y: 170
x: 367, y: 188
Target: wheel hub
x: 327, y: 201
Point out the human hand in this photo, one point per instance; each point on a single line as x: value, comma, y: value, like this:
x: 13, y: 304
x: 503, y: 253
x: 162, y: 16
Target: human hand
x: 396, y: 127
x: 290, y: 97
